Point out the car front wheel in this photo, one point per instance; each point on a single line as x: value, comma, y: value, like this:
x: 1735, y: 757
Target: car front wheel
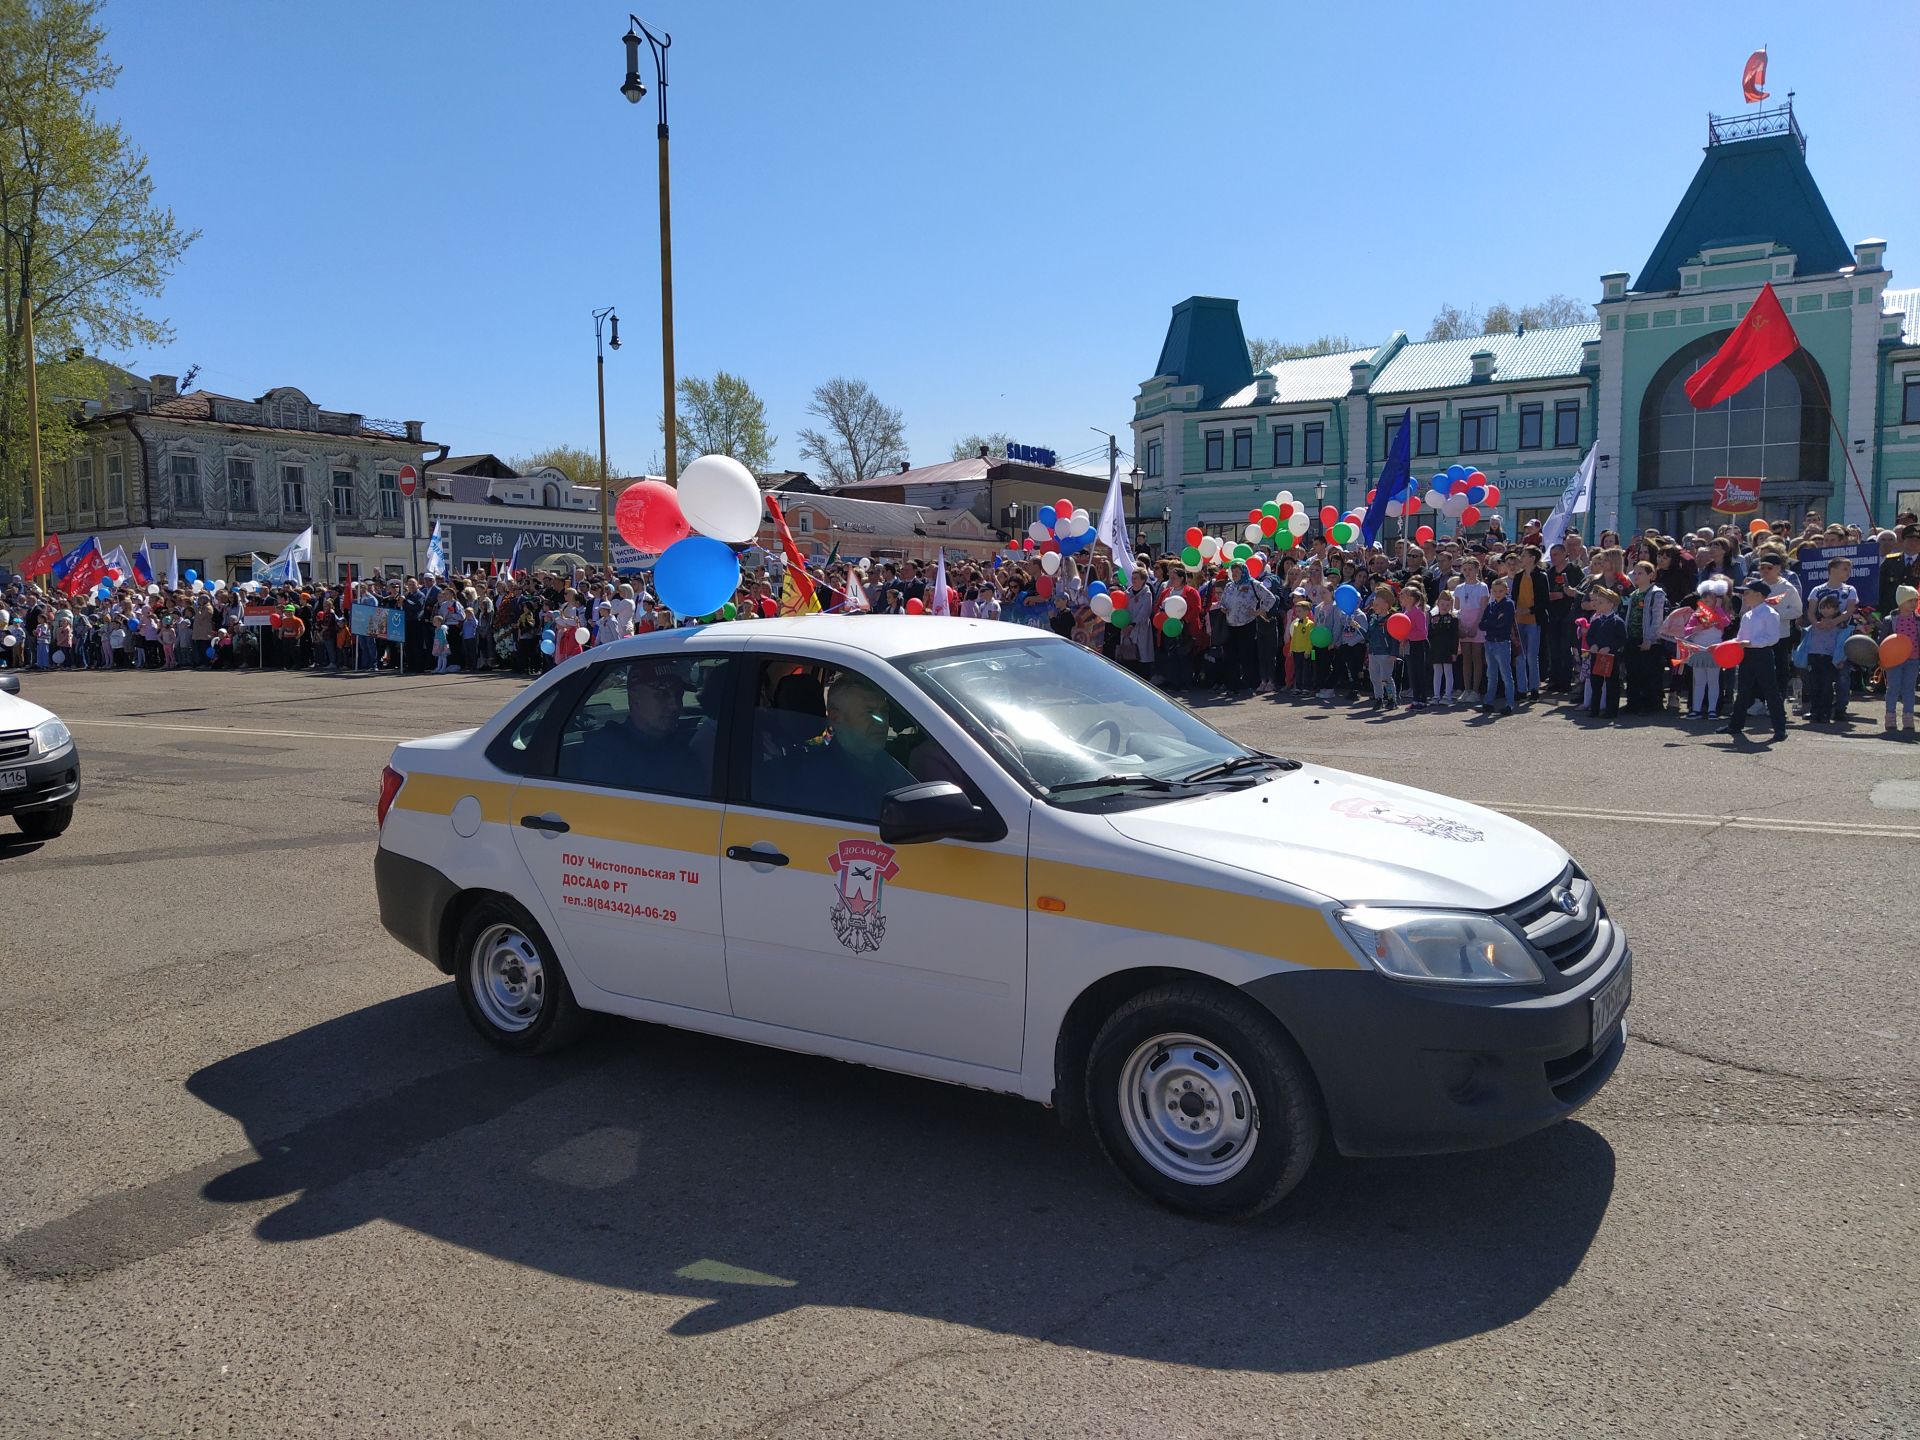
x: 511, y: 984
x: 45, y: 824
x: 1201, y: 1100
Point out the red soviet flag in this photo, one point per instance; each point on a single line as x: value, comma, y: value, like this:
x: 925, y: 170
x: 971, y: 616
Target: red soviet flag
x: 40, y: 562
x: 1754, y: 76
x: 1758, y: 343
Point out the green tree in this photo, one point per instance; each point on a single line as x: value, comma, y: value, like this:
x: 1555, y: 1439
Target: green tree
x: 579, y: 465
x: 862, y: 437
x: 1264, y: 352
x: 968, y: 446
x: 1500, y: 318
x: 80, y: 234
x: 722, y: 416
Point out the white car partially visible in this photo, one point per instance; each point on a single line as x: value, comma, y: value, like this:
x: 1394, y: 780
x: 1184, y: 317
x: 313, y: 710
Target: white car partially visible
x: 39, y: 765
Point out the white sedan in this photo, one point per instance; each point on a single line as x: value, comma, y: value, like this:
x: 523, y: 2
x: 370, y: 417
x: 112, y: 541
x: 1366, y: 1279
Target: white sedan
x: 979, y: 853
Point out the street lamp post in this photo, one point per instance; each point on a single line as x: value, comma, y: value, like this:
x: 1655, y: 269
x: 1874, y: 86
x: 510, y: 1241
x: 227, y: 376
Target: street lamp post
x: 600, y: 320
x: 635, y: 90
x: 1134, y: 476
x: 1319, y: 504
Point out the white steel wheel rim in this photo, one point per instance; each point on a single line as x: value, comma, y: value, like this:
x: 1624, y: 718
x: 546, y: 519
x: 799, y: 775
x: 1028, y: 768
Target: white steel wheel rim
x: 1188, y: 1109
x: 509, y: 979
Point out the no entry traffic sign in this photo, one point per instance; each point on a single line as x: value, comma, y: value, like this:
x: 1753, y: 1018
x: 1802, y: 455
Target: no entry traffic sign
x: 409, y: 480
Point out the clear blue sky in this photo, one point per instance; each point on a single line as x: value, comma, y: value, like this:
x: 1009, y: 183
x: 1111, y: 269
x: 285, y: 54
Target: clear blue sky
x: 984, y: 210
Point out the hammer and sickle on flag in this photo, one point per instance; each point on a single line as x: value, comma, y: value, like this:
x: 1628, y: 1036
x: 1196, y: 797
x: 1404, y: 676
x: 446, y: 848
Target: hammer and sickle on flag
x: 1755, y: 76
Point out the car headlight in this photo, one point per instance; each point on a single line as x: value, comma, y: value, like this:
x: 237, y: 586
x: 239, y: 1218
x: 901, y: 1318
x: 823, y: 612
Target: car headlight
x: 1452, y: 946
x: 51, y: 735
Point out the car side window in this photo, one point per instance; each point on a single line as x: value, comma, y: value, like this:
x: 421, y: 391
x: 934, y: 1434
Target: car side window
x: 517, y: 749
x: 830, y: 741
x: 648, y: 724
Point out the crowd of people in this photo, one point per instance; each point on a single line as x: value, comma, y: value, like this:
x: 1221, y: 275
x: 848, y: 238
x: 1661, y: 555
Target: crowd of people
x: 1641, y: 624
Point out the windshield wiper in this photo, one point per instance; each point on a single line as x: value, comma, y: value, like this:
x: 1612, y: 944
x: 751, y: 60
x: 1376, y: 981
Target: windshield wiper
x: 1152, y: 782
x: 1237, y: 764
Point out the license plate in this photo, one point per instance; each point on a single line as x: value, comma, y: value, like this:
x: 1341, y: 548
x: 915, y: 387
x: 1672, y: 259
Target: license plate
x: 13, y: 779
x: 1609, y: 1004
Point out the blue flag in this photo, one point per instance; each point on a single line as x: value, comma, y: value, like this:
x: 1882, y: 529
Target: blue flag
x: 1394, y: 481
x: 143, y: 564
x: 67, y: 563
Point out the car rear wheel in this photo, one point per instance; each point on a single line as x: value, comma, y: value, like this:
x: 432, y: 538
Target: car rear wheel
x: 1201, y: 1100
x: 45, y: 824
x: 511, y: 985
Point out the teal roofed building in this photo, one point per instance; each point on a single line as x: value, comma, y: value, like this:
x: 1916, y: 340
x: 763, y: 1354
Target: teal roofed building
x: 1213, y: 438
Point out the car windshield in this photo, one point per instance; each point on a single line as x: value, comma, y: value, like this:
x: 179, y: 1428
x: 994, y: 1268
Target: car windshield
x: 1066, y: 722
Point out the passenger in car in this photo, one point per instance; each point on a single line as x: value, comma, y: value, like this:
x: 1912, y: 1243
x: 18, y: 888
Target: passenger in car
x: 659, y: 746
x: 851, y: 772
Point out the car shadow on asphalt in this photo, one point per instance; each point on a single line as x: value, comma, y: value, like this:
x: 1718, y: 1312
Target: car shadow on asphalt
x: 759, y: 1181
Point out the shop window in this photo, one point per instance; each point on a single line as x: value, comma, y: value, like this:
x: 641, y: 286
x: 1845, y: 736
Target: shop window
x: 1216, y: 450
x: 1313, y: 444
x: 1532, y: 427
x: 1566, y: 424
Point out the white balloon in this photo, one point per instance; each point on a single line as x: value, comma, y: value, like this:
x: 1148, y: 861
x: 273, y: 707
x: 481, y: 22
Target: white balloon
x: 9, y: 640
x: 1285, y: 497
x: 1253, y: 534
x: 1102, y: 606
x: 1298, y: 524
x: 721, y: 499
x: 1176, y: 607
x: 1209, y: 546
x: 1039, y: 533
x: 581, y: 635
x: 1050, y: 562
x: 1082, y: 522
x: 199, y: 585
x: 1455, y: 506
x: 153, y: 589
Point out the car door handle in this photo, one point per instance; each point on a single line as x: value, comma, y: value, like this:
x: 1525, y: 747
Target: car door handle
x: 552, y: 824
x: 755, y: 857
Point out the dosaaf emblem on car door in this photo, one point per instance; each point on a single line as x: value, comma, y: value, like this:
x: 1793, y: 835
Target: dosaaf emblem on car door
x: 861, y: 870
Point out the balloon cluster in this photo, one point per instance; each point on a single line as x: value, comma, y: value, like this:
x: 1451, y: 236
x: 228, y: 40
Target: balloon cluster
x: 1109, y: 605
x: 1058, y: 530
x: 693, y: 529
x: 1458, y: 493
x: 1281, y: 522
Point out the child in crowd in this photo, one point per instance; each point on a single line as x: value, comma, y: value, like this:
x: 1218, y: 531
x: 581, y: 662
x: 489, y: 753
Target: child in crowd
x: 440, y: 646
x: 1471, y: 596
x: 1706, y: 627
x: 1300, y: 643
x: 1383, y: 651
x: 43, y: 647
x: 1900, y: 678
x: 1826, y: 661
x: 1349, y: 650
x: 1496, y: 630
x: 1443, y: 645
x: 1413, y: 604
x: 1327, y: 617
x: 1606, y: 644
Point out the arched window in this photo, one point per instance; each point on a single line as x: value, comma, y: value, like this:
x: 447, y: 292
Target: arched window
x: 1775, y: 428
x: 550, y: 495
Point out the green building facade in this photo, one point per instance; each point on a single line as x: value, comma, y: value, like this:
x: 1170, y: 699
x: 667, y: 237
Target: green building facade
x: 1834, y: 431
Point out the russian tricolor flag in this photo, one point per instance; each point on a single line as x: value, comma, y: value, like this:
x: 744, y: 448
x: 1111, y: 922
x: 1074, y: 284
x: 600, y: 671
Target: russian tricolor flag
x: 143, y: 564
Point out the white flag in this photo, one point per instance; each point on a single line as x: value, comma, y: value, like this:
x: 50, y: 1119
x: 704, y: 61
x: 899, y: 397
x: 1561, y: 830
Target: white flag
x: 302, y: 546
x: 940, y: 585
x: 1574, y: 500
x: 436, y: 552
x: 1112, y: 530
x: 173, y: 567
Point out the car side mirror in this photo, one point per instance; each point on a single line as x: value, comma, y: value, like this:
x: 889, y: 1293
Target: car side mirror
x: 936, y: 810
x: 9, y: 684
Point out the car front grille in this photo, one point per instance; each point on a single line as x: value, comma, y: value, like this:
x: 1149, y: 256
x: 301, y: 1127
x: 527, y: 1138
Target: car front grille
x: 1568, y: 942
x: 14, y: 745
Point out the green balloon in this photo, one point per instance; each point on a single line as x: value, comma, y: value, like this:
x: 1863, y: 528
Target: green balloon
x: 1321, y: 637
x: 1171, y: 627
x: 729, y: 610
x: 1342, y: 533
x: 1191, y: 555
x: 1284, y: 539
x: 1241, y: 552
x: 1122, y: 615
x: 1272, y: 507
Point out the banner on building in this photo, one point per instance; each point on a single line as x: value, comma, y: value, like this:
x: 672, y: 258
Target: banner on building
x: 1736, y: 494
x: 257, y: 615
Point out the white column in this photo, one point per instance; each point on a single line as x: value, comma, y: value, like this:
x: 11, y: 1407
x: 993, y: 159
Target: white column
x: 1863, y: 397
x: 1609, y: 424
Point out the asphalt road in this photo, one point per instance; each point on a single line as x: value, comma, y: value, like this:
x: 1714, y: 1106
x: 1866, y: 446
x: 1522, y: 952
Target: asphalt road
x: 258, y: 1178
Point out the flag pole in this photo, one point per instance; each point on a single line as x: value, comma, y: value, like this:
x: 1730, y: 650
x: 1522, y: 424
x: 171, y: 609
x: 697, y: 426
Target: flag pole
x: 1826, y: 403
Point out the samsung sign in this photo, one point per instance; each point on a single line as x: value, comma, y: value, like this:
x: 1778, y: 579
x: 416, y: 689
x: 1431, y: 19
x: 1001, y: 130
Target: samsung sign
x: 1032, y: 454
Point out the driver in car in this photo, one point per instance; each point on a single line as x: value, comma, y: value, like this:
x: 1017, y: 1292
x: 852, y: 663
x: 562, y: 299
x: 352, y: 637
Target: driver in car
x: 650, y: 750
x: 850, y: 772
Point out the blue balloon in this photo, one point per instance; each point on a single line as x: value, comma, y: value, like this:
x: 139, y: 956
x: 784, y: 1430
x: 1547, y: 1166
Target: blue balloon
x: 1047, y: 516
x: 191, y: 574
x: 212, y: 654
x: 1440, y: 482
x: 1457, y: 472
x: 546, y: 645
x: 1095, y: 587
x: 696, y: 575
x: 1347, y: 598
x: 1476, y: 493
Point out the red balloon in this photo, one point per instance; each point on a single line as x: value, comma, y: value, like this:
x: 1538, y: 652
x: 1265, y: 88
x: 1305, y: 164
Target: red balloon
x: 1476, y: 477
x: 1470, y: 515
x: 1195, y: 535
x: 1424, y: 535
x: 1370, y: 497
x: 1286, y: 511
x: 1329, y: 517
x: 914, y: 607
x: 1043, y: 587
x: 1027, y: 544
x: 1493, y: 494
x: 1255, y: 565
x: 1014, y: 544
x: 1399, y: 626
x: 1254, y: 517
x: 648, y: 516
x: 1268, y: 524
x: 1728, y: 654
x: 1063, y: 509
